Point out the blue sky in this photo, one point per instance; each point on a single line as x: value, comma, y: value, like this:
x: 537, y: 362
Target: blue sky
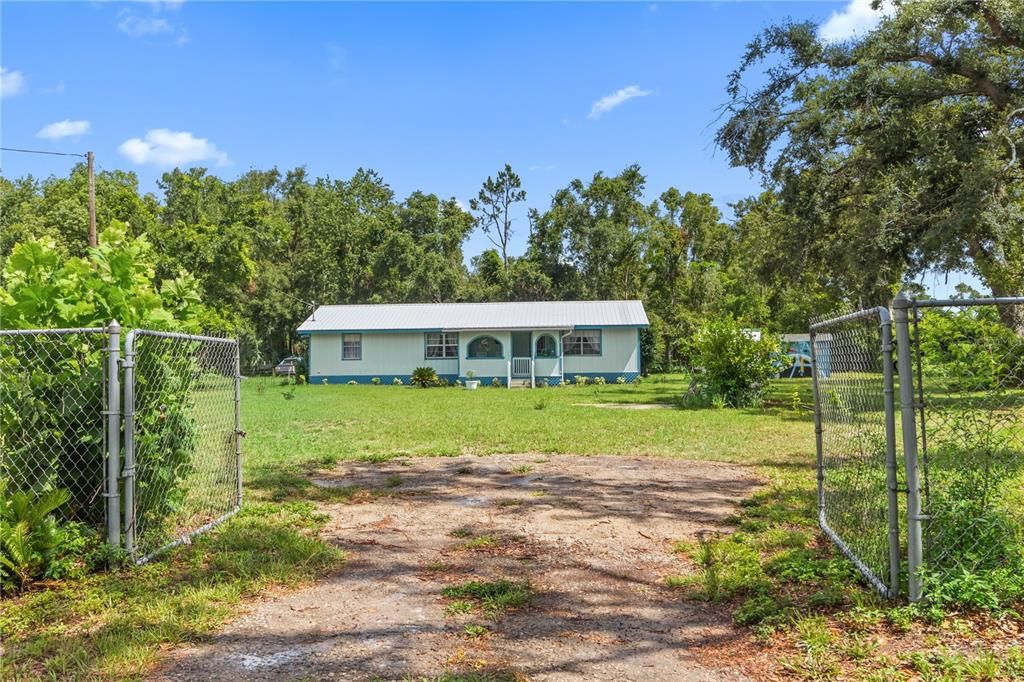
x: 433, y: 96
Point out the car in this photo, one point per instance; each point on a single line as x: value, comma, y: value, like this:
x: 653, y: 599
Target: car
x: 287, y: 366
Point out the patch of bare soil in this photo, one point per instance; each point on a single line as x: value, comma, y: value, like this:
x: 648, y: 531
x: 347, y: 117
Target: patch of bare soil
x: 592, y: 535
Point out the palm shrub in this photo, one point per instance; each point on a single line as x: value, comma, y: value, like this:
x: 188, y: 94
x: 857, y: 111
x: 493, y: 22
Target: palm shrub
x: 424, y: 377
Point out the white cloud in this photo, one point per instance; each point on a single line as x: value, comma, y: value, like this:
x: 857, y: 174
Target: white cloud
x: 617, y: 98
x: 62, y: 129
x: 857, y: 18
x: 11, y: 82
x: 57, y: 89
x: 163, y: 147
x: 137, y: 27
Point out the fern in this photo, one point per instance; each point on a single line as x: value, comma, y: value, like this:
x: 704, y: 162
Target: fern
x: 29, y: 535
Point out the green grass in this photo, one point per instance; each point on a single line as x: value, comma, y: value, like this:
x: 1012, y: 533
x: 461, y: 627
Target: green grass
x: 112, y: 625
x: 492, y: 597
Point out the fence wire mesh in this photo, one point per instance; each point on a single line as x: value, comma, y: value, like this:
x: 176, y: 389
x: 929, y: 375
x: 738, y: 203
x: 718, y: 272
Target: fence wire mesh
x: 52, y: 424
x: 970, y: 389
x: 185, y: 438
x: 855, y: 455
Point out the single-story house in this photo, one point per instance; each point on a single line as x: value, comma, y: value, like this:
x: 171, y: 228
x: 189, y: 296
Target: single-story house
x: 518, y: 343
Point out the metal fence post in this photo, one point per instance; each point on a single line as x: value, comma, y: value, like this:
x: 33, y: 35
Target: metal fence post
x: 915, y: 555
x: 819, y: 452
x: 113, y: 415
x: 238, y: 425
x: 129, y: 442
x: 893, y: 512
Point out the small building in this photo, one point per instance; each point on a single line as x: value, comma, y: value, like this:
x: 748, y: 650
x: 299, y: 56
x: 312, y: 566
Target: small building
x: 518, y: 343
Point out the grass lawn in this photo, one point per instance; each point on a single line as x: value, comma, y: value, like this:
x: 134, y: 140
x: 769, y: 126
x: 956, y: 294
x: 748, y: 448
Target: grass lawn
x: 775, y: 575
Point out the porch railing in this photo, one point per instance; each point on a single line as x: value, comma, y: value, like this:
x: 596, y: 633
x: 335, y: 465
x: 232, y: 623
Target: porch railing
x: 521, y: 367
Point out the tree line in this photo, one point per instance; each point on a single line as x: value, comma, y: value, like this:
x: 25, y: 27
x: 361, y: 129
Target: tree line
x: 882, y: 157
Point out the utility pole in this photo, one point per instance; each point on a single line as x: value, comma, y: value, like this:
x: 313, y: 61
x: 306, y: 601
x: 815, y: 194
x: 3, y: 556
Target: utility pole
x: 92, y: 199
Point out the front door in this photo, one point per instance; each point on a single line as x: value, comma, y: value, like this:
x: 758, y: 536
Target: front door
x: 521, y: 349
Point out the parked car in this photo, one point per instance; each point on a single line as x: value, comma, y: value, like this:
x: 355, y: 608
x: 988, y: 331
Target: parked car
x: 287, y: 366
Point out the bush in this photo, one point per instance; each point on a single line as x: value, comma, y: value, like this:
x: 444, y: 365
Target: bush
x: 29, y: 535
x: 971, y: 348
x: 114, y: 280
x: 375, y: 381
x: 620, y: 380
x: 599, y: 381
x: 424, y: 377
x: 397, y: 382
x: 496, y: 382
x: 580, y: 380
x: 352, y: 382
x: 733, y: 366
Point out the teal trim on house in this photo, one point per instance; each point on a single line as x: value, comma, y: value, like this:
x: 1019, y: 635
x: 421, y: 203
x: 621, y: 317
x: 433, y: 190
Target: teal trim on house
x: 501, y: 346
x: 385, y: 379
x: 600, y: 343
x: 450, y: 357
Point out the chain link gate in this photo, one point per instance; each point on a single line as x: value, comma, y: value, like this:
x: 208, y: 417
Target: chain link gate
x: 182, y: 466
x: 960, y: 367
x: 61, y: 429
x: 855, y: 439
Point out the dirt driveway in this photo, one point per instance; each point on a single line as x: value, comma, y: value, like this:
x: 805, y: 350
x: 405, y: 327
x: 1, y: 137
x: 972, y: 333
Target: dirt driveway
x: 591, y: 535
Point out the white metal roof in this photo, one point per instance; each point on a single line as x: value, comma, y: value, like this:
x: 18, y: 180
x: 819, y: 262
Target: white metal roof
x: 456, y: 316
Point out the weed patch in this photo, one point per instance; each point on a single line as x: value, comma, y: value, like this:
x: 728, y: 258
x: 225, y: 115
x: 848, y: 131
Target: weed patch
x: 492, y: 597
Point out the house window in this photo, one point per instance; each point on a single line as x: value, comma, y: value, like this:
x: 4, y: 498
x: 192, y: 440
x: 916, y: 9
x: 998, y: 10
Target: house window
x: 484, y: 347
x: 442, y: 345
x: 583, y: 343
x: 546, y: 347
x: 351, y: 346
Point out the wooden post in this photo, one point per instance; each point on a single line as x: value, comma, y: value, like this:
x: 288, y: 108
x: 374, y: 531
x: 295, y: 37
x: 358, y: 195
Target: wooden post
x: 92, y: 199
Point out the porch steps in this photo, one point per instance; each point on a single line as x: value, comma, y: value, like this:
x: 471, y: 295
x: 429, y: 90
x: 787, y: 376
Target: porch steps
x: 519, y: 383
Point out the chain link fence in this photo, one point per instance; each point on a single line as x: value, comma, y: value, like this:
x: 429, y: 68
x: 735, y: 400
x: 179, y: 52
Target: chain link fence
x: 61, y: 429
x: 969, y: 376
x: 852, y: 359
x: 182, y: 438
x: 52, y: 421
x: 952, y: 513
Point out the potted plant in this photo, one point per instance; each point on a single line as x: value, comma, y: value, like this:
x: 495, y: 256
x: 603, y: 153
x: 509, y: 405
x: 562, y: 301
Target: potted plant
x: 471, y: 380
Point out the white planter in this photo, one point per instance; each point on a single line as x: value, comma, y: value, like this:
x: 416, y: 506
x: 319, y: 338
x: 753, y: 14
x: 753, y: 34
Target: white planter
x: 472, y: 384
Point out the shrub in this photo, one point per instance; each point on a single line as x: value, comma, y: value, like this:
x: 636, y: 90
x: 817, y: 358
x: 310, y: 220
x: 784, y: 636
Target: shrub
x: 29, y: 535
x: 599, y: 381
x: 471, y: 374
x: 424, y: 377
x: 352, y: 382
x: 496, y: 382
x: 114, y: 280
x: 620, y: 380
x: 324, y: 381
x: 733, y: 366
x: 375, y: 381
x: 397, y: 382
x: 971, y: 348
x: 580, y: 380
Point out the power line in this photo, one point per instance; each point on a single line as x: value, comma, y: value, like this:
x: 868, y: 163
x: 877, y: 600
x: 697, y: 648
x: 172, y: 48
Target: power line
x: 37, y: 151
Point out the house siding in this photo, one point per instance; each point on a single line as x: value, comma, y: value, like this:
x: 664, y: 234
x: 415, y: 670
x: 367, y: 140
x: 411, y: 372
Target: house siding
x: 396, y: 354
x: 620, y: 355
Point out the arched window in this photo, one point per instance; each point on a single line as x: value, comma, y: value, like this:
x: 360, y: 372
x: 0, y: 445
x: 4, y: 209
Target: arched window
x: 546, y: 347
x: 484, y: 347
